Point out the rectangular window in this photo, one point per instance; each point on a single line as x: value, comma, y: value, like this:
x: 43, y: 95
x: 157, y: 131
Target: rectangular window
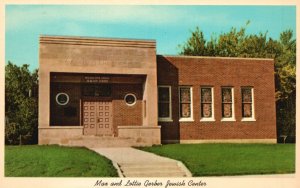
x: 186, y: 106
x: 207, y: 104
x: 164, y: 103
x: 227, y: 104
x: 247, y: 104
x: 97, y: 90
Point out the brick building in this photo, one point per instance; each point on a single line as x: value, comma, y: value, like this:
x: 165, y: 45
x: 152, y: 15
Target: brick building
x: 119, y: 91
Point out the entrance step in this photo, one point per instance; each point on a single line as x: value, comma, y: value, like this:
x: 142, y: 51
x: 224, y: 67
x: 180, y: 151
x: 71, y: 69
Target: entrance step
x: 149, y: 166
x: 157, y: 169
x: 97, y: 141
x: 154, y: 174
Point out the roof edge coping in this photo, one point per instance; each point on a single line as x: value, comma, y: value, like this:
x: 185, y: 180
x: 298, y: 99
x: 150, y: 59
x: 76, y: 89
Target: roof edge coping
x: 97, y: 41
x: 215, y: 57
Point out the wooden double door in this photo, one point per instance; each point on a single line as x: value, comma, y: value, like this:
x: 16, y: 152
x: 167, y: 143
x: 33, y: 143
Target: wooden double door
x: 97, y: 118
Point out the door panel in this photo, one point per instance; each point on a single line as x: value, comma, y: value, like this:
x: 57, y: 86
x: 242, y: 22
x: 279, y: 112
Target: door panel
x: 89, y: 117
x: 104, y: 121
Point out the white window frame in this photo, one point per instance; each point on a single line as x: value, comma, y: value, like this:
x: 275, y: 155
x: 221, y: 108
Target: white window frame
x: 252, y: 106
x: 232, y: 118
x: 189, y: 119
x: 59, y: 103
x: 135, y: 99
x: 165, y: 119
x: 212, y: 118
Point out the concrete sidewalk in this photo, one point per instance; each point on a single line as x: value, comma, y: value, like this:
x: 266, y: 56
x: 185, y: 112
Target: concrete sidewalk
x: 132, y: 162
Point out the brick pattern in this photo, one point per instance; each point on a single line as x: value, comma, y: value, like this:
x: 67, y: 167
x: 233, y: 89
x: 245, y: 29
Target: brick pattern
x: 124, y: 115
x: 219, y: 72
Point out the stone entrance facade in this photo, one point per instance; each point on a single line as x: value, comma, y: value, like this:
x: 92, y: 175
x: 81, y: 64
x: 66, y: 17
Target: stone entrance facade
x: 112, y: 89
x: 100, y: 87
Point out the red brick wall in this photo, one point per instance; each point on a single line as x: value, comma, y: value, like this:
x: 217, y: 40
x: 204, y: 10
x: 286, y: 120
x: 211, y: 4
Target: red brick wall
x: 218, y: 72
x: 124, y: 115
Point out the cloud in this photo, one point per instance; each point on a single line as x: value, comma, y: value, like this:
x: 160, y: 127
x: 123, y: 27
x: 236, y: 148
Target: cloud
x: 22, y: 16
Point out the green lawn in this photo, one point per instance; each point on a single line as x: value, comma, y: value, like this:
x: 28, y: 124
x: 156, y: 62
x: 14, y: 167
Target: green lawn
x: 55, y: 161
x: 231, y: 159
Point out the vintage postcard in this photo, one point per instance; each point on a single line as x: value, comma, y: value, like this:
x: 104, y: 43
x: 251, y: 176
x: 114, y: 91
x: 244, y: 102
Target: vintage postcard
x: 100, y: 94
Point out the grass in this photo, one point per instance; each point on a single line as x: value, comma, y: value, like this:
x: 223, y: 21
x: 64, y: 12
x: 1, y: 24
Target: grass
x: 56, y: 161
x: 231, y: 159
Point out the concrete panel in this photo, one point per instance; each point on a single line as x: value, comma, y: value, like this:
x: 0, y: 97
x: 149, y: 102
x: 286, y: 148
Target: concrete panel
x: 237, y: 141
x: 59, y: 135
x: 143, y: 135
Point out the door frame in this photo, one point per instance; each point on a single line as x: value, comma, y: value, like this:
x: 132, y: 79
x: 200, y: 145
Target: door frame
x: 93, y: 99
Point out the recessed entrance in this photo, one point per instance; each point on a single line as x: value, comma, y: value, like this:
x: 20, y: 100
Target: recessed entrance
x: 97, y: 118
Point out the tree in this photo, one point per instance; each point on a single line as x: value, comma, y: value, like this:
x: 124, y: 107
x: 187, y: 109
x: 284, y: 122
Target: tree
x: 195, y: 44
x: 21, y: 110
x: 285, y: 65
x: 236, y: 43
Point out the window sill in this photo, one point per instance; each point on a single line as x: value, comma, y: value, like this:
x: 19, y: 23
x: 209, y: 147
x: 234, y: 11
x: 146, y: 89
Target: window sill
x: 248, y: 119
x: 186, y: 120
x: 228, y: 119
x: 165, y: 120
x: 207, y: 119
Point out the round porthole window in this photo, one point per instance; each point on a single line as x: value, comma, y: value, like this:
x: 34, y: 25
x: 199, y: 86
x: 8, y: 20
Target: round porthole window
x: 62, y: 98
x: 130, y: 99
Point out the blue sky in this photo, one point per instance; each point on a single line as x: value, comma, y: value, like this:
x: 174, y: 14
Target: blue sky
x: 168, y: 25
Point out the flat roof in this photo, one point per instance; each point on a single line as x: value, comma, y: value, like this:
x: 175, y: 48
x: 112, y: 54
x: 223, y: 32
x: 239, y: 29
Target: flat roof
x: 215, y: 57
